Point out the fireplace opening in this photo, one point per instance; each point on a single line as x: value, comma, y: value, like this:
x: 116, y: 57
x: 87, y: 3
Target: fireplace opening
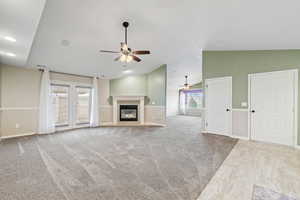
x: 128, y: 112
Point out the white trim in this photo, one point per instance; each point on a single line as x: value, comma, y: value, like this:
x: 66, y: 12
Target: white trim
x: 297, y: 146
x: 249, y: 107
x: 240, y: 137
x: 240, y: 109
x: 215, y: 133
x: 19, y: 135
x: 71, y: 83
x: 18, y: 108
x: 295, y: 128
x: 296, y: 83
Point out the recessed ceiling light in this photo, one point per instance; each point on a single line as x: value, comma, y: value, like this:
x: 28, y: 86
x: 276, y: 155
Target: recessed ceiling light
x: 65, y: 43
x: 10, y: 54
x: 127, y: 71
x: 11, y: 39
x: 7, y: 54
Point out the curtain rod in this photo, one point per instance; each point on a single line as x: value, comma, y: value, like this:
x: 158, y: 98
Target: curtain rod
x: 40, y: 69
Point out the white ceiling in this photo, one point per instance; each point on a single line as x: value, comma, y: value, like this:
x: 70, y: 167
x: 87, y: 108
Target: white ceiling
x: 19, y: 20
x: 174, y: 30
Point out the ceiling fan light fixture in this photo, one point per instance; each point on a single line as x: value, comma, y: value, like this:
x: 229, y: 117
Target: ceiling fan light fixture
x: 126, y: 54
x: 129, y: 59
x: 123, y: 58
x: 186, y: 87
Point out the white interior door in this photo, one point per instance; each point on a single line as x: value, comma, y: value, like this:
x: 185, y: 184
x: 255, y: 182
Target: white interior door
x: 272, y: 105
x: 218, y: 103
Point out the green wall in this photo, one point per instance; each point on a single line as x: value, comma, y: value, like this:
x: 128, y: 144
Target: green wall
x: 239, y: 64
x: 152, y: 85
x: 156, y: 86
x: 129, y: 85
x: 197, y: 86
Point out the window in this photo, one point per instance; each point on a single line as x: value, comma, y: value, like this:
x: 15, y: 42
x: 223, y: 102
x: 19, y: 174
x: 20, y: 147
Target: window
x: 190, y: 102
x: 60, y: 95
x: 83, y: 104
x: 194, y: 99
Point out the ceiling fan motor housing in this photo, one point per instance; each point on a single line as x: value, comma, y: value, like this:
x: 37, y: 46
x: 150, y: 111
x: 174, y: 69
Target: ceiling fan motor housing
x: 125, y: 24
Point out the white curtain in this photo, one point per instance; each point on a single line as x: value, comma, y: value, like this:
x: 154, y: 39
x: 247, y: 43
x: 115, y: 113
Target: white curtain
x: 95, y: 106
x: 46, y: 108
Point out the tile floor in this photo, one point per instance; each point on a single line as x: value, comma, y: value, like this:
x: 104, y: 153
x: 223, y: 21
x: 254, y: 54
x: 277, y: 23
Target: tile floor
x: 251, y: 164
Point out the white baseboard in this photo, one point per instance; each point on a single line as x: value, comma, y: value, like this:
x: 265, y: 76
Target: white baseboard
x: 19, y: 135
x: 232, y: 136
x: 239, y: 137
x: 297, y: 146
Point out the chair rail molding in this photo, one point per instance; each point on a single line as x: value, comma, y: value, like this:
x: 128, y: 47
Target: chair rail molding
x: 18, y: 108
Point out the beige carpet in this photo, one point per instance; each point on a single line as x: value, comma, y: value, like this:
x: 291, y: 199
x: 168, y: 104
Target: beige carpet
x: 129, y: 163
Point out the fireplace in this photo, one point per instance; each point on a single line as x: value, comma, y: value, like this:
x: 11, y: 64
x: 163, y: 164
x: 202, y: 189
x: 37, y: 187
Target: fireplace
x: 128, y: 112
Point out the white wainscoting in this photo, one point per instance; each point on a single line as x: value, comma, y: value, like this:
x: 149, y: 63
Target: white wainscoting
x: 240, y: 123
x: 106, y: 113
x: 25, y: 118
x: 155, y: 114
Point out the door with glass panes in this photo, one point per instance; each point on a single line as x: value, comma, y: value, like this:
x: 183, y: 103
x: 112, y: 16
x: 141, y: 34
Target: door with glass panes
x: 72, y: 105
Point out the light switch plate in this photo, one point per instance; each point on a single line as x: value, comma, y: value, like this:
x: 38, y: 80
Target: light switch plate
x: 244, y: 104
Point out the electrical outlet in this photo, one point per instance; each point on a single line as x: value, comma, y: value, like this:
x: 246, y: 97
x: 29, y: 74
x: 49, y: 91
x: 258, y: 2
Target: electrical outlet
x: 17, y: 125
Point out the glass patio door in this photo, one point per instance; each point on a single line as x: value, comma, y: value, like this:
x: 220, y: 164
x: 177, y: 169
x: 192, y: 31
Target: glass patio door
x: 72, y: 105
x: 61, y: 97
x: 83, y: 105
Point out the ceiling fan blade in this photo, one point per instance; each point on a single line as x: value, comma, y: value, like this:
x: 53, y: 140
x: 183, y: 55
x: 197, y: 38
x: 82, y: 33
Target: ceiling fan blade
x: 137, y: 59
x: 104, y: 51
x: 118, y: 58
x: 141, y: 52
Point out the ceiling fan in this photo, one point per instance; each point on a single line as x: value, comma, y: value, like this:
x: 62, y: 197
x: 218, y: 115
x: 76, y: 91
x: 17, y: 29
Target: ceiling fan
x: 126, y: 53
x: 186, y: 86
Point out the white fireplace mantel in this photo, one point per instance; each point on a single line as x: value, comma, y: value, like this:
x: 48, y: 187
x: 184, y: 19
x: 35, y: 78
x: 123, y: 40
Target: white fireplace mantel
x: 140, y: 99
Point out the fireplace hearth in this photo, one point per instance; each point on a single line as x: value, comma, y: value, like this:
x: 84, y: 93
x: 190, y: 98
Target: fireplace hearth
x: 128, y: 112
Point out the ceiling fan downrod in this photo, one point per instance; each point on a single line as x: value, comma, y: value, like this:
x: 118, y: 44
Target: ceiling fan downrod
x: 125, y: 24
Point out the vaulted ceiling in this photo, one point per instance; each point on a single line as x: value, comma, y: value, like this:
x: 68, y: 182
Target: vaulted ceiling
x: 71, y: 32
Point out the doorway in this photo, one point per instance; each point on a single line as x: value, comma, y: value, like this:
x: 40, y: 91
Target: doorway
x: 218, y: 104
x: 273, y: 106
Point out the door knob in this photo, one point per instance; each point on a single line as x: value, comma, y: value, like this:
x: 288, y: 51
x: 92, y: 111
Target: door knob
x: 253, y: 111
x: 227, y: 110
